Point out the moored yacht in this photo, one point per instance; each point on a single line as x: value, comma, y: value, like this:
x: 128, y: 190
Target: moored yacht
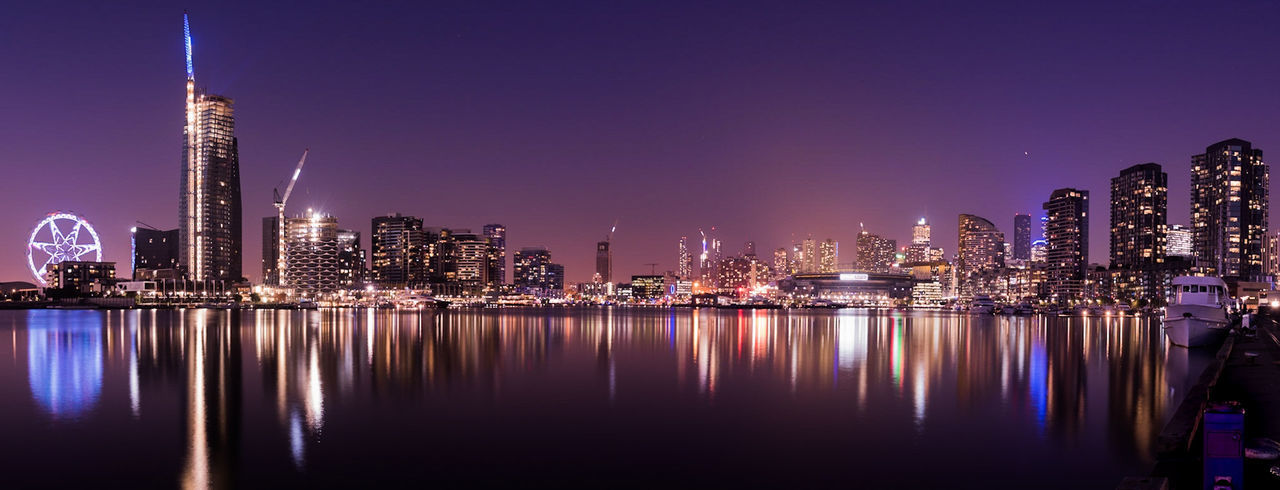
x: 982, y: 304
x: 1198, y: 314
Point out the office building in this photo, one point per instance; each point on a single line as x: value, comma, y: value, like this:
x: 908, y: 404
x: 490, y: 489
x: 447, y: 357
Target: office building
x: 648, y: 287
x: 1067, y: 237
x: 497, y: 262
x: 918, y: 250
x: 398, y: 256
x: 209, y: 211
x: 1022, y: 236
x: 1229, y: 209
x: 153, y: 250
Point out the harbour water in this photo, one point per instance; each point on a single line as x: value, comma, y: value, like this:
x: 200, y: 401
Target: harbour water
x: 582, y: 397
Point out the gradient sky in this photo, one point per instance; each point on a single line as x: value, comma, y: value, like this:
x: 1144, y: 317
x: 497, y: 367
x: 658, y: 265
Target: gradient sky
x: 770, y: 121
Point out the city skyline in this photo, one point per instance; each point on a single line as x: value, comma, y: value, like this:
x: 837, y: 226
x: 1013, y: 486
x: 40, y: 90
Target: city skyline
x: 121, y: 171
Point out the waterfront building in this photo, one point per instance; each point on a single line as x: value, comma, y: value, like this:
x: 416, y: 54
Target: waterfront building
x: 209, y: 211
x: 927, y: 293
x: 497, y: 255
x: 854, y: 289
x: 1067, y: 236
x: 472, y: 259
x: 980, y: 249
x: 80, y: 276
x: 1178, y: 242
x: 153, y: 250
x: 684, y: 261
x: 351, y: 260
x: 311, y: 254
x: 398, y: 258
x: 648, y: 287
x: 1229, y: 209
x: 1022, y: 236
x: 604, y: 261
x: 1139, y: 210
x: 536, y: 274
x: 875, y: 253
x: 271, y: 251
x: 828, y: 255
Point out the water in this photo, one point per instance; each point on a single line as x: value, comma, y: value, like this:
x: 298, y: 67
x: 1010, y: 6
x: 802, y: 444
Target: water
x: 587, y: 397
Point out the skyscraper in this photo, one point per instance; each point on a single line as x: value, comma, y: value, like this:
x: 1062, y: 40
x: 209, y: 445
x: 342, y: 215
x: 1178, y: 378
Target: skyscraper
x: 209, y: 218
x: 809, y: 255
x: 781, y: 265
x: 918, y: 251
x: 684, y: 262
x: 980, y: 249
x: 472, y: 259
x: 534, y: 273
x: 1067, y: 234
x: 1139, y: 211
x: 271, y: 251
x: 1022, y: 236
x: 397, y: 250
x: 1229, y: 208
x: 497, y: 236
x: 604, y: 261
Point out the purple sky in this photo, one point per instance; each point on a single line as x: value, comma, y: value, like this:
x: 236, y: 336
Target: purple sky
x: 769, y: 122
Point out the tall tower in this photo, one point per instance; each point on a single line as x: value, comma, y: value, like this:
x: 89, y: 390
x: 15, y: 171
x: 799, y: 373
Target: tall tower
x: 1067, y: 234
x: 604, y: 261
x: 980, y: 249
x: 684, y: 264
x: 1022, y: 236
x: 210, y: 231
x: 1229, y: 208
x: 921, y: 240
x: 497, y: 262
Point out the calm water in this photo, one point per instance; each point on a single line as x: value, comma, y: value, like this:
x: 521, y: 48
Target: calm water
x: 581, y: 397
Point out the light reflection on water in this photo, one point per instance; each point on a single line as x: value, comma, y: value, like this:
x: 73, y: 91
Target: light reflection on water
x: 293, y: 397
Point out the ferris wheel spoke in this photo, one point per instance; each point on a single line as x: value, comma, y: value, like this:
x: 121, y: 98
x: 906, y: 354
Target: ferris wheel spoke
x: 79, y: 250
x: 75, y: 234
x: 57, y: 232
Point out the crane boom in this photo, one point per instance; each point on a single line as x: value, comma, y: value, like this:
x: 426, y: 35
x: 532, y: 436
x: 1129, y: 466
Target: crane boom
x: 294, y: 180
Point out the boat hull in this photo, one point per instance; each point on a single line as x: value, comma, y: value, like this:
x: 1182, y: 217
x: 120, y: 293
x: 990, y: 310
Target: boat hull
x: 1195, y: 325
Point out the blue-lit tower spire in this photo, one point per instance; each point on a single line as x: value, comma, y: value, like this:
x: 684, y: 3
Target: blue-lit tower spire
x: 186, y: 36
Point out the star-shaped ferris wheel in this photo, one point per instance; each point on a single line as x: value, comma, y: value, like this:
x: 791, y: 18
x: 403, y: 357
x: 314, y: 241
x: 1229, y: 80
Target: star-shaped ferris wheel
x: 49, y: 244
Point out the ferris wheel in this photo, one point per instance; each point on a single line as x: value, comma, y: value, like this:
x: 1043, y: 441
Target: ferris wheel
x: 50, y: 244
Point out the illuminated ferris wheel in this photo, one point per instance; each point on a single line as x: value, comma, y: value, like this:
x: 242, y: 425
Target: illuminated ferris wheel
x: 60, y: 237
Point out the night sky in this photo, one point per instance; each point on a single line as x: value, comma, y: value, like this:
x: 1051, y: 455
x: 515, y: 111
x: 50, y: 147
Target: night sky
x: 771, y: 121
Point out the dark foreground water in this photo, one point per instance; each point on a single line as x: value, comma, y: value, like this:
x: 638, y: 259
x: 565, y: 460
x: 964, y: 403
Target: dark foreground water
x: 580, y: 398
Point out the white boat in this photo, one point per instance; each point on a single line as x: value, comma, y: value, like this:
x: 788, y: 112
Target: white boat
x: 1198, y: 314
x: 982, y: 305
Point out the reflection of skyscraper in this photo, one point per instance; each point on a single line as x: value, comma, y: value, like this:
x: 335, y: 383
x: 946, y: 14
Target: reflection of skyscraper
x: 209, y: 208
x: 64, y: 364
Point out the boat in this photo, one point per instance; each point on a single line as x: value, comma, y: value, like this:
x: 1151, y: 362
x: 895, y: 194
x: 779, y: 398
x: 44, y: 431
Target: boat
x: 1198, y: 314
x: 982, y: 305
x: 307, y: 304
x: 1023, y: 308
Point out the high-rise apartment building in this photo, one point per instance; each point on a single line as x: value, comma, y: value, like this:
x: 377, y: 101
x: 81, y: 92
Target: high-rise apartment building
x: 209, y: 214
x: 397, y: 250
x: 271, y: 251
x: 1022, y: 236
x: 497, y: 262
x: 809, y: 255
x: 1067, y: 237
x: 980, y: 245
x: 781, y: 265
x: 472, y: 257
x: 351, y: 260
x: 1139, y: 214
x: 1230, y: 201
x: 534, y: 272
x: 311, y: 254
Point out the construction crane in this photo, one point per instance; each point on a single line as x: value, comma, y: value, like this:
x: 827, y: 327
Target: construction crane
x: 653, y: 267
x: 279, y: 203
